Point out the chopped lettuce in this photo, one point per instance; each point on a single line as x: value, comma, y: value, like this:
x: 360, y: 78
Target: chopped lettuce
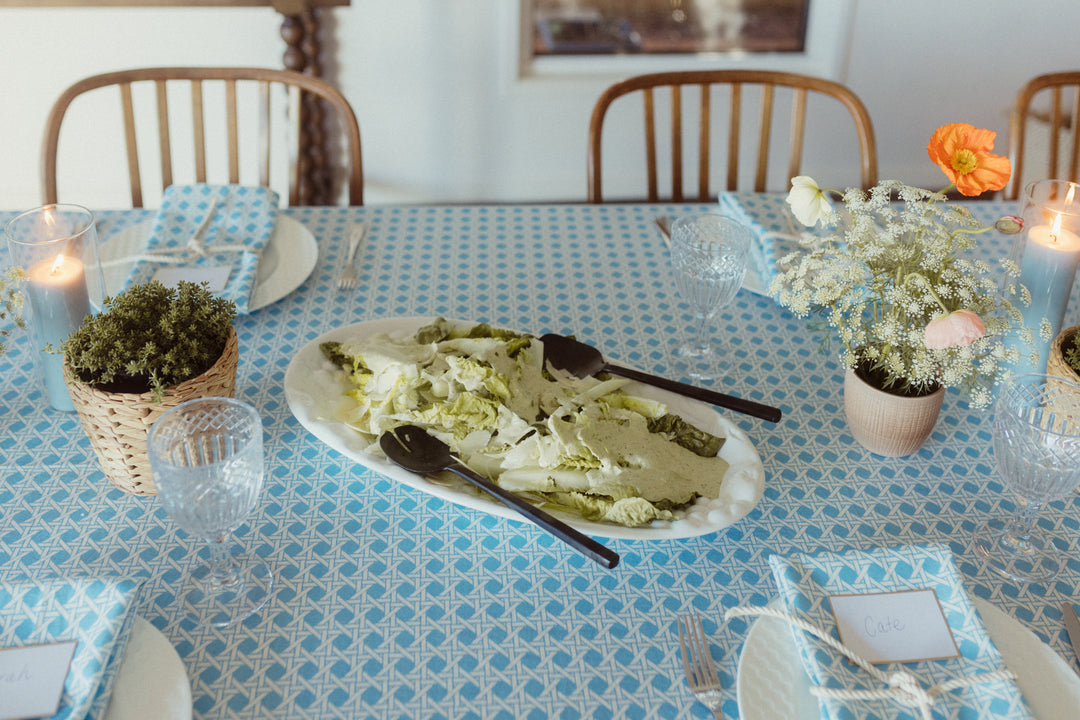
x: 579, y: 444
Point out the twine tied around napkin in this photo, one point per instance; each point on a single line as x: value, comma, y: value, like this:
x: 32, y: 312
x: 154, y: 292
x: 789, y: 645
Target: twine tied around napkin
x: 196, y: 247
x: 901, y: 686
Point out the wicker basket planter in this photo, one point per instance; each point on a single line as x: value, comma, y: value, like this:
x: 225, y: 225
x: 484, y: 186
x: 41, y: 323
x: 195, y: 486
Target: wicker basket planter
x: 117, y: 423
x: 1055, y: 363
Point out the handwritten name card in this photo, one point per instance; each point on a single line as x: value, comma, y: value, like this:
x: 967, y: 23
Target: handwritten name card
x: 217, y: 276
x: 32, y: 679
x: 903, y: 626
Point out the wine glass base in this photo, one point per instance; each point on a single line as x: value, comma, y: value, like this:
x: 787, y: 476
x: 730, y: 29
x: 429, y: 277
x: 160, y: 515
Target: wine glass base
x: 1036, y: 560
x: 702, y: 365
x: 222, y: 606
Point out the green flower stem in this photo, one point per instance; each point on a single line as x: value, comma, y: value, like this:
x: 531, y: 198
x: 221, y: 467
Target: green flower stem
x: 929, y: 289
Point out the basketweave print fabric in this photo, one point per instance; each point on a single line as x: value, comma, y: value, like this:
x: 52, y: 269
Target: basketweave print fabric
x: 211, y: 226
x: 95, y: 612
x: 806, y: 581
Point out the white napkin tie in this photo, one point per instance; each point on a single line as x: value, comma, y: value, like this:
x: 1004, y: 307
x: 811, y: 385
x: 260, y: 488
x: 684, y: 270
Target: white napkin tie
x: 902, y: 687
x: 195, y: 247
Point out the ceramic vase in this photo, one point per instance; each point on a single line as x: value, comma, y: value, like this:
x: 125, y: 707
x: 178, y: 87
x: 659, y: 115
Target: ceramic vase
x: 887, y: 424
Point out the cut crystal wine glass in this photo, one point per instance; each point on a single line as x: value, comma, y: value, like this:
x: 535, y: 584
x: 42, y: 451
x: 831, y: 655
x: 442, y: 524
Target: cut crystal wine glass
x: 1037, y: 446
x: 207, y: 461
x: 709, y: 255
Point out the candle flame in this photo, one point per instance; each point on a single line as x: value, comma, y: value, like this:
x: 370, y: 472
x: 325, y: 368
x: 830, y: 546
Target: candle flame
x: 59, y: 263
x: 1071, y: 194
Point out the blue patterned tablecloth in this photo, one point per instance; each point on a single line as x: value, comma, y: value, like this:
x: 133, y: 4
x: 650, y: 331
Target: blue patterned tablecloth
x: 390, y: 603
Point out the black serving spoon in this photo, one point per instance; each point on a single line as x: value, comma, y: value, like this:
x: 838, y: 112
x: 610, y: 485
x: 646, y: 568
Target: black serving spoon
x: 414, y: 449
x: 581, y: 360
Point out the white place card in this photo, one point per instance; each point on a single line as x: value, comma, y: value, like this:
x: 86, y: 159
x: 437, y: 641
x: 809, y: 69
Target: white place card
x: 32, y: 679
x: 902, y: 626
x: 216, y: 275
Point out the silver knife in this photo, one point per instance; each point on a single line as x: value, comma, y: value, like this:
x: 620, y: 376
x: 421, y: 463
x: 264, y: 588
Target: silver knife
x: 664, y: 224
x: 1072, y: 624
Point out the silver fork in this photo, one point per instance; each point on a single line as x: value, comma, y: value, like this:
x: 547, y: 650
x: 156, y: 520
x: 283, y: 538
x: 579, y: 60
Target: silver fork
x: 347, y: 280
x: 698, y: 665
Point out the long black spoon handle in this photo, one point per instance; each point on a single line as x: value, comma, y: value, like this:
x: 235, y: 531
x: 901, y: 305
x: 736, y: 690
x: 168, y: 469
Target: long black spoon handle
x: 580, y: 542
x: 747, y: 407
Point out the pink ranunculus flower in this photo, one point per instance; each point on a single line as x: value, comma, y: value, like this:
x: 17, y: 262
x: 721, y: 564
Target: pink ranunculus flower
x: 957, y: 329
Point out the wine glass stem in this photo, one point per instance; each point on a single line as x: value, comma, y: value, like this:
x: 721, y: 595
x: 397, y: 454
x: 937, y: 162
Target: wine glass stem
x: 701, y: 329
x: 1023, y: 522
x: 223, y: 570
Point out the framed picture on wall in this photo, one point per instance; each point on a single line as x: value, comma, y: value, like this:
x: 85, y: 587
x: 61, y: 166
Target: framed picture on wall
x: 621, y: 37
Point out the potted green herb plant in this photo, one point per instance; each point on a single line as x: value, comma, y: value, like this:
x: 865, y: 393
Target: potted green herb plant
x: 1064, y: 359
x: 150, y: 349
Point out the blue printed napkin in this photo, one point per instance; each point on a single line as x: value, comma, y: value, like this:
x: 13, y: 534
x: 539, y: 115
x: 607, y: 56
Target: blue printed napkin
x: 805, y: 581
x: 776, y: 231
x: 211, y: 226
x: 96, y: 612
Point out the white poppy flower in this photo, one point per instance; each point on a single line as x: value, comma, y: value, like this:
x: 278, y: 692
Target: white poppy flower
x: 808, y: 202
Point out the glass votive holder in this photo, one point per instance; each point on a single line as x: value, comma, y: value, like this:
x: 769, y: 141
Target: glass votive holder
x: 57, y: 248
x: 1047, y: 253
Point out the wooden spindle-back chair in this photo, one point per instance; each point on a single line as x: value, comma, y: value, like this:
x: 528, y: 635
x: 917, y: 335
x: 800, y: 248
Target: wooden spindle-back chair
x: 705, y: 81
x: 199, y: 79
x: 1060, y: 118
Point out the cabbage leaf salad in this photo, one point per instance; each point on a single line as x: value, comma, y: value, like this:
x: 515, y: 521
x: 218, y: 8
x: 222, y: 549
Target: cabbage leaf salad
x: 577, y: 444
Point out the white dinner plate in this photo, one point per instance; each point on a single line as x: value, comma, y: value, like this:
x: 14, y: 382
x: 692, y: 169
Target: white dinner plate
x: 313, y: 386
x: 772, y: 683
x: 287, y: 260
x: 151, y: 681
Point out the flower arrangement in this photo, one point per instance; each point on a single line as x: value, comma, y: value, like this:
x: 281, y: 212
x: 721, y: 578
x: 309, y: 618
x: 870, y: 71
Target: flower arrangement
x: 913, y: 312
x: 11, y: 301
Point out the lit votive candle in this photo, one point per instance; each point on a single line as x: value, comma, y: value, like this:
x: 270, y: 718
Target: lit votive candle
x: 1047, y: 269
x: 59, y: 302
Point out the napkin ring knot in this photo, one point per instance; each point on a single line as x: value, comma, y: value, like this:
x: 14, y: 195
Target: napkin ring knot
x: 903, y: 687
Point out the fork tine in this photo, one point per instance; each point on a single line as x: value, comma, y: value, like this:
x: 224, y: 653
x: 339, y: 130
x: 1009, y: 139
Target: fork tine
x: 707, y: 663
x: 687, y: 670
x: 698, y: 664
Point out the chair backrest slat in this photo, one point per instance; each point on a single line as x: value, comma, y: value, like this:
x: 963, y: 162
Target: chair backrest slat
x: 198, y: 124
x: 1055, y: 129
x: 650, y: 141
x: 1074, y: 156
x: 232, y: 127
x: 735, y: 114
x: 798, y: 131
x: 163, y: 133
x: 768, y: 84
x: 767, y: 92
x: 131, y: 143
x: 301, y: 89
x: 704, y: 140
x: 676, y: 143
x: 264, y: 133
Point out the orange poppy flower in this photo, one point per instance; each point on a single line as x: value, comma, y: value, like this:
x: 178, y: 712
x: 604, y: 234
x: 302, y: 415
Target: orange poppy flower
x: 962, y: 151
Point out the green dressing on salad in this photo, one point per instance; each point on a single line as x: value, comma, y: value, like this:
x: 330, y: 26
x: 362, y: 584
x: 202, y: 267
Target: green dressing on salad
x: 577, y: 444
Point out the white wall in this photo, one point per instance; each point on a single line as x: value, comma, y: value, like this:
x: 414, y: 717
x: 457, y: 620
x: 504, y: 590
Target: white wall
x: 444, y: 119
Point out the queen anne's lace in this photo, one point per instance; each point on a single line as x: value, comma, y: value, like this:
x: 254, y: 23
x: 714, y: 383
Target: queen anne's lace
x: 890, y: 270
